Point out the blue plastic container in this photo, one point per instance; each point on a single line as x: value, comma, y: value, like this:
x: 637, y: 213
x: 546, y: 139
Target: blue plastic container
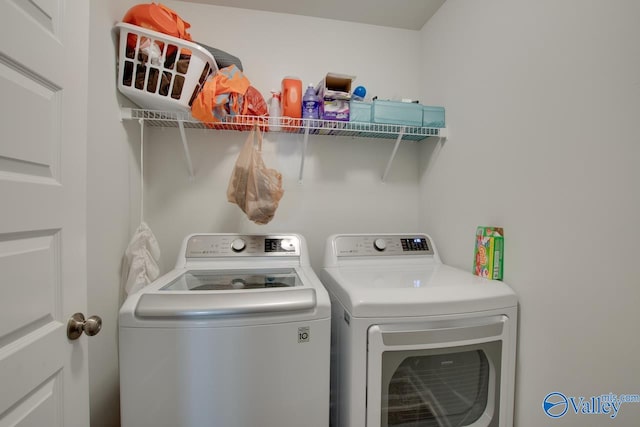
x: 433, y: 117
x: 397, y: 113
x: 359, y: 111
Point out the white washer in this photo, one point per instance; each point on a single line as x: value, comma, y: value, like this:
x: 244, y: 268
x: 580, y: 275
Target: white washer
x: 237, y: 335
x: 415, y: 342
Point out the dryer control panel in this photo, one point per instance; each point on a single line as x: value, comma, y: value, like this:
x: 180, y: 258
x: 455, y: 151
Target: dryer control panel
x: 238, y: 245
x: 383, y: 245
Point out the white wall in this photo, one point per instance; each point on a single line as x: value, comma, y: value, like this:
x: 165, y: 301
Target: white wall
x: 342, y: 189
x: 112, y: 178
x: 543, y: 99
x: 341, y: 192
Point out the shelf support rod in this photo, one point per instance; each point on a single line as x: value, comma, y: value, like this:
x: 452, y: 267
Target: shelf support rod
x: 141, y: 121
x: 185, y: 146
x: 393, y: 154
x: 304, y: 152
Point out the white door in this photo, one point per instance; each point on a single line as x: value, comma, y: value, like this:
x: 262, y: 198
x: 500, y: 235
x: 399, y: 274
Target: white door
x: 43, y: 90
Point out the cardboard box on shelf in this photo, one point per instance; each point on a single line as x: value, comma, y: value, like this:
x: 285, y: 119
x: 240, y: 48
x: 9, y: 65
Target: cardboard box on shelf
x: 334, y: 91
x: 335, y: 109
x: 335, y: 86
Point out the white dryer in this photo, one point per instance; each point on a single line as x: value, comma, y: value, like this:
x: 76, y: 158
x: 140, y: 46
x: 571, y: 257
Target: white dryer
x: 415, y: 342
x: 237, y: 335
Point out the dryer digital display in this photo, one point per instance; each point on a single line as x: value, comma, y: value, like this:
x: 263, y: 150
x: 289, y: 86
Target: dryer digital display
x: 415, y: 244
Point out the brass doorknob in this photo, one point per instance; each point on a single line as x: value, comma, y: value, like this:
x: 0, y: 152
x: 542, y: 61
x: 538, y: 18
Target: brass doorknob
x: 77, y: 325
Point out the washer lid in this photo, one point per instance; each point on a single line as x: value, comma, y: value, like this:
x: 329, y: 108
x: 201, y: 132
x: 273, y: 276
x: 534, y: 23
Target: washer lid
x: 238, y: 280
x: 407, y: 290
x: 206, y: 293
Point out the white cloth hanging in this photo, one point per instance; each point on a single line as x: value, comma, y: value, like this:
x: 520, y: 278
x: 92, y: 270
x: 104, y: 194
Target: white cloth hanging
x: 140, y: 263
x: 140, y: 260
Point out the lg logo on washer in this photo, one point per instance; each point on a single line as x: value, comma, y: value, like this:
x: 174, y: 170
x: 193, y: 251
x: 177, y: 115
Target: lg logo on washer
x: 556, y: 404
x: 303, y: 334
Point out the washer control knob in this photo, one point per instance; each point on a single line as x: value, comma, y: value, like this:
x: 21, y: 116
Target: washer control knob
x: 238, y: 245
x: 380, y: 245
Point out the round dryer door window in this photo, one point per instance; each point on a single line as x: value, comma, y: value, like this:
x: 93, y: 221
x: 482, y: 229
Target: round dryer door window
x: 424, y: 390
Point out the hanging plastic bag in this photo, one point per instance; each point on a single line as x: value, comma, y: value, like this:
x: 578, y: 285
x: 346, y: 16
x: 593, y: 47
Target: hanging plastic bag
x: 256, y: 189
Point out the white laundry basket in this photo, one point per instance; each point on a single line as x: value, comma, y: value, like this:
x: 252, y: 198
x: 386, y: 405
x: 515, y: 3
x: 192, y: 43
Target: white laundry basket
x: 161, y: 72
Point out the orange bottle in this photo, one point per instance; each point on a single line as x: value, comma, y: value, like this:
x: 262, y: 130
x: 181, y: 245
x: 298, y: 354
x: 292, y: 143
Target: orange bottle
x: 291, y: 97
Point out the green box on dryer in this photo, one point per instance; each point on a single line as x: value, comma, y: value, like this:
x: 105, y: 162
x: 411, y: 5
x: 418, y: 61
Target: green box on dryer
x: 489, y: 252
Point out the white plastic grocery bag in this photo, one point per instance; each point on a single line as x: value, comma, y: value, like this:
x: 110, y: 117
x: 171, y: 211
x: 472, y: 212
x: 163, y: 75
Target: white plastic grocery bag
x: 256, y: 189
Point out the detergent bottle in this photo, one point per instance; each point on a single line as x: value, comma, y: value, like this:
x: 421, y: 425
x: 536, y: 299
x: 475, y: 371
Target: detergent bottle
x: 291, y: 97
x: 311, y: 105
x: 274, y: 111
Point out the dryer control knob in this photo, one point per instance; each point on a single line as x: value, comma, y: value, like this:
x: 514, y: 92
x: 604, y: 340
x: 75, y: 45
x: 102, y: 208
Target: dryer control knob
x: 238, y: 245
x: 380, y: 244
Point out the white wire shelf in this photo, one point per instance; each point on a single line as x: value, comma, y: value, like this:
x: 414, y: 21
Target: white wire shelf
x: 288, y: 125
x: 306, y: 127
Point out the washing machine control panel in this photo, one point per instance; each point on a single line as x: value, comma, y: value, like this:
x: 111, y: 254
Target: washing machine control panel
x: 214, y: 246
x: 383, y: 245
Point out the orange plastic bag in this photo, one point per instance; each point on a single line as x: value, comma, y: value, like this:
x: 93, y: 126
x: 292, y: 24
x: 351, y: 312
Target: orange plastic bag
x: 254, y: 110
x: 221, y: 96
x: 256, y: 189
x: 158, y: 17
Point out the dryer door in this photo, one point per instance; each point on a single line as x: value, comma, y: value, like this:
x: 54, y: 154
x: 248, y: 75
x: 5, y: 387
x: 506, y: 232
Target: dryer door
x: 436, y: 374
